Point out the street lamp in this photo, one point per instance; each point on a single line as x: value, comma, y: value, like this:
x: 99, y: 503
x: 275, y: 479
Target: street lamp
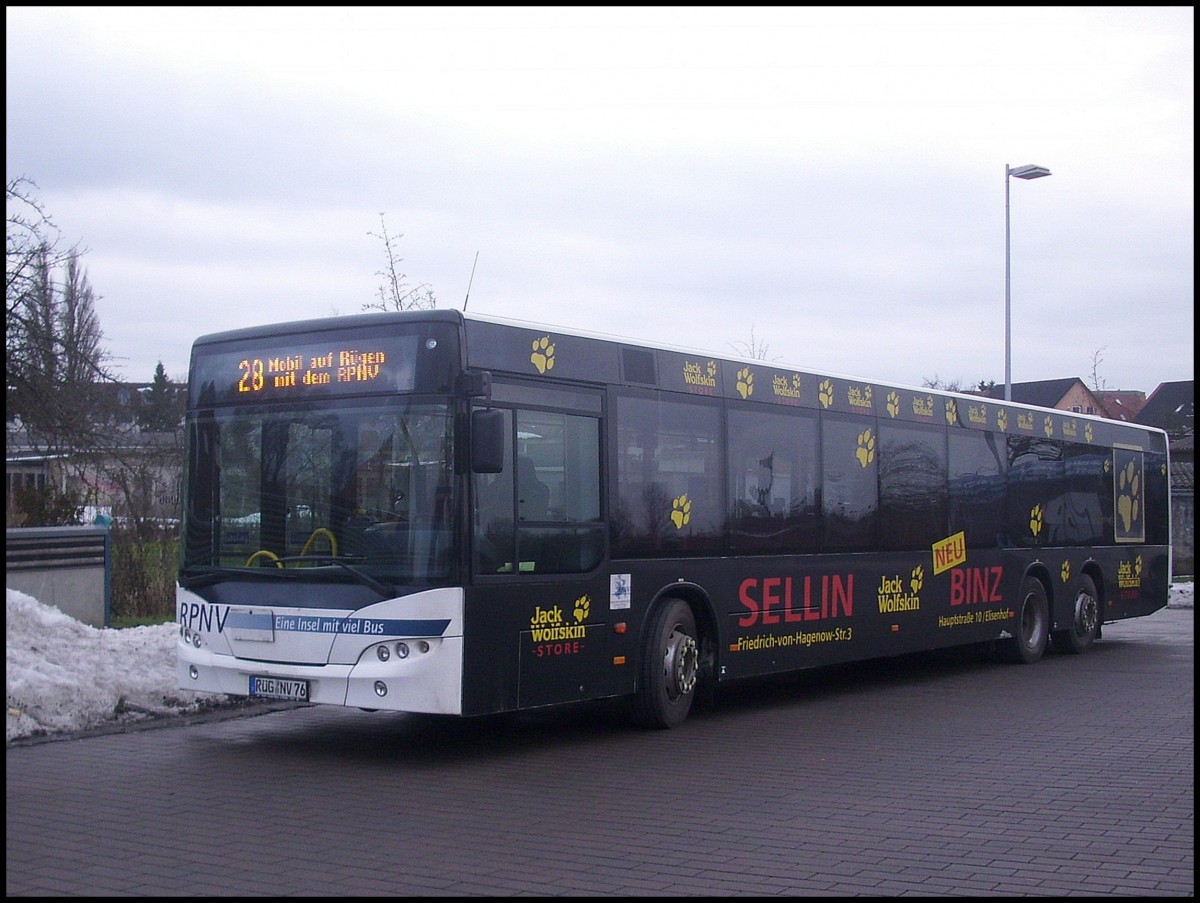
x: 1028, y: 171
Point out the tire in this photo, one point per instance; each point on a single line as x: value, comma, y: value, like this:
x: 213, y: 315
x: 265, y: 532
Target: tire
x: 1085, y: 620
x: 1031, y: 632
x: 669, y: 669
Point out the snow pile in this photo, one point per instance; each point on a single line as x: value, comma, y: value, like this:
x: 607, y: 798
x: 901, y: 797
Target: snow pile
x: 63, y: 675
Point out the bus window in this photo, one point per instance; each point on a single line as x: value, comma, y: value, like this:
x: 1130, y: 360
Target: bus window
x: 912, y: 485
x: 976, y: 487
x: 850, y: 496
x: 669, y: 492
x: 1035, y: 488
x: 773, y: 480
x: 544, y: 513
x: 1087, y: 495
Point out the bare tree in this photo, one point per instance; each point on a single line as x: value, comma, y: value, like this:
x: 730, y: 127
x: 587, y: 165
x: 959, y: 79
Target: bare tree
x: 31, y: 238
x: 56, y: 401
x: 395, y: 292
x: 984, y: 386
x: 936, y: 382
x: 54, y: 358
x: 753, y: 349
x: 1098, y: 384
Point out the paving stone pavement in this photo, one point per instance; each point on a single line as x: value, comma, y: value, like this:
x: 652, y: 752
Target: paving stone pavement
x: 929, y: 775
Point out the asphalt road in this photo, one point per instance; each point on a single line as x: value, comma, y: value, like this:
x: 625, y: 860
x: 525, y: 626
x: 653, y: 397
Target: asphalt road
x: 928, y: 775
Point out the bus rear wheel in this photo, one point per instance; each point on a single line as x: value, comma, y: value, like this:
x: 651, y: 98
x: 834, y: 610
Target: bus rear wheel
x: 1032, y: 629
x: 1085, y: 620
x: 669, y: 669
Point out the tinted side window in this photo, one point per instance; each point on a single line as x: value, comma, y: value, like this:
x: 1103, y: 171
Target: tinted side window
x: 912, y: 485
x: 1157, y: 502
x: 977, y: 467
x: 1035, y: 480
x: 773, y: 480
x: 850, y: 491
x: 1087, y: 495
x: 669, y: 493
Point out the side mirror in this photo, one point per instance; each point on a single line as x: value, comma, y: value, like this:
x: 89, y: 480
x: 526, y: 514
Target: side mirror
x: 487, y: 441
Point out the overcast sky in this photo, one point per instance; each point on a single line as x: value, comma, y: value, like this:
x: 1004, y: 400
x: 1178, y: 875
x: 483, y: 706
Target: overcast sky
x: 827, y: 185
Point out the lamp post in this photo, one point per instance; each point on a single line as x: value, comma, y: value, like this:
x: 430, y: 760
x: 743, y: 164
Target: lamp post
x: 1029, y: 171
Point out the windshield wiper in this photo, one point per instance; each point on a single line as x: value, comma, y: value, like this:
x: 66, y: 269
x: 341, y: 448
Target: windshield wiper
x: 362, y: 576
x: 216, y: 574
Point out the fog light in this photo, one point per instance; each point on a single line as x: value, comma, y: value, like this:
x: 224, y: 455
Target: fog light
x: 402, y: 650
x: 380, y: 688
x: 383, y: 652
x: 423, y: 646
x: 193, y: 672
x: 196, y: 640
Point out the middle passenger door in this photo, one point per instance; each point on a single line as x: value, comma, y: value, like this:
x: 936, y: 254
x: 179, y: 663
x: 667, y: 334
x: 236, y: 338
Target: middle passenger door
x: 539, y: 540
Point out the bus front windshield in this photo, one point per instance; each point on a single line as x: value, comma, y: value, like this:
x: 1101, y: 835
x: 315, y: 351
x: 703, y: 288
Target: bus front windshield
x: 364, y: 492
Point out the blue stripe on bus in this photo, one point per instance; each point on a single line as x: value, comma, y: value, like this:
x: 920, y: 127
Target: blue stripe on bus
x: 361, y: 626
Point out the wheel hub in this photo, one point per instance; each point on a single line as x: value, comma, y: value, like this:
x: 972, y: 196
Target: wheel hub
x: 682, y: 664
x: 1085, y: 614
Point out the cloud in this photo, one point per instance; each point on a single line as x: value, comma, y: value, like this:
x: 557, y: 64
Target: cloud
x: 833, y: 178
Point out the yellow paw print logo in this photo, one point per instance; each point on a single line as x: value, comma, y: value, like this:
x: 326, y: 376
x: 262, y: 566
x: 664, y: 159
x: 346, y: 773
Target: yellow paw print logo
x: 745, y: 382
x: 866, y: 448
x: 712, y: 369
x: 1035, y: 520
x: 1065, y: 571
x: 1048, y: 427
x: 825, y: 393
x: 682, y: 511
x: 583, y: 608
x: 1129, y: 489
x: 1137, y: 566
x: 543, y: 354
x: 918, y: 579
x: 1088, y: 432
x: 951, y: 411
x: 1002, y: 420
x: 893, y: 404
x: 1107, y: 465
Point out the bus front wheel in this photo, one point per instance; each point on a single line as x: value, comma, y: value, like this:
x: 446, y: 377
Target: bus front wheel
x: 1032, y: 629
x: 1085, y: 620
x: 669, y: 668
